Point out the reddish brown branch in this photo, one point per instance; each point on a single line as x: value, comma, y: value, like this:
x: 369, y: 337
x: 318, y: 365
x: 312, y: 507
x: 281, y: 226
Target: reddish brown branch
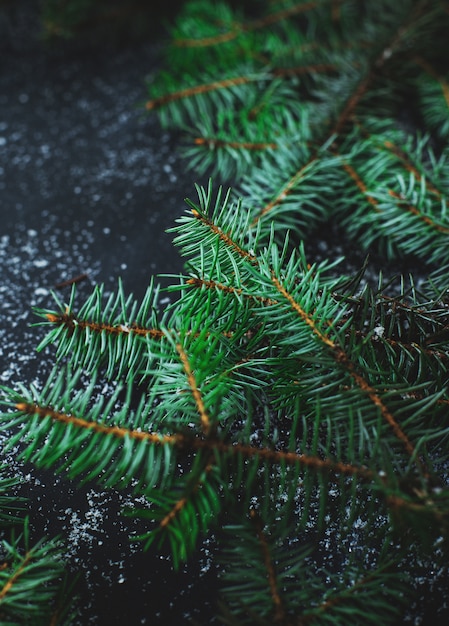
x: 237, y: 145
x: 12, y: 580
x: 360, y: 184
x: 71, y: 322
x: 198, y: 89
x: 352, y: 103
x: 71, y: 281
x: 397, y: 504
x: 409, y: 166
x: 189, y: 92
x: 378, y: 63
x: 113, y: 431
x: 212, y: 284
x: 412, y: 209
x: 289, y: 458
x: 286, y: 191
x: 403, y: 204
x: 245, y: 28
x: 225, y: 238
x: 199, y: 443
x: 204, y: 417
x: 179, y: 505
x: 306, y: 317
x: 437, y: 354
x: 279, y: 610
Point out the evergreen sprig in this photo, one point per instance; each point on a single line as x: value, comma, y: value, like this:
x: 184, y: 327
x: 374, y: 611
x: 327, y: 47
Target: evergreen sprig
x: 259, y: 339
x: 352, y: 65
x: 33, y: 590
x: 34, y: 587
x: 290, y: 409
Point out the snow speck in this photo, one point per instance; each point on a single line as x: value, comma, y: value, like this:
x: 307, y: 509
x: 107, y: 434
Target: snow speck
x: 40, y: 291
x: 379, y: 332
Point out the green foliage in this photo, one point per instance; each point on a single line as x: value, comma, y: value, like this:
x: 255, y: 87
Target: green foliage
x: 308, y: 108
x: 10, y: 506
x: 272, y: 390
x: 33, y: 586
x: 291, y: 409
x: 379, y: 596
x: 34, y: 589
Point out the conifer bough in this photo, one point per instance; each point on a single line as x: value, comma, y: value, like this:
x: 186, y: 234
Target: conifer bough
x: 291, y: 409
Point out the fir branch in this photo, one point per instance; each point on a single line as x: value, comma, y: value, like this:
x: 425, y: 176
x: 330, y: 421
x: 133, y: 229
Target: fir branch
x: 184, y: 513
x: 279, y: 614
x: 361, y: 186
x: 397, y: 40
x: 353, y: 101
x: 243, y: 145
x: 183, y: 442
x: 30, y: 577
x: 235, y: 81
x: 236, y: 291
x: 112, y: 332
x: 121, y: 434
x: 238, y: 29
x: 286, y: 190
x: 279, y: 457
x: 204, y: 417
x: 83, y: 424
x: 72, y: 435
x: 11, y: 581
x: 383, y: 212
x: 224, y: 237
x: 226, y: 144
x: 443, y: 83
x: 411, y: 167
x: 415, y: 211
x: 341, y: 358
x: 202, y: 89
x: 70, y: 321
x: 368, y: 588
x: 11, y: 507
x: 300, y: 203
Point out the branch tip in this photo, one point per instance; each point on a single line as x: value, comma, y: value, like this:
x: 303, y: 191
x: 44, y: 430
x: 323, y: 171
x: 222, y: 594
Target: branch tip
x: 51, y: 317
